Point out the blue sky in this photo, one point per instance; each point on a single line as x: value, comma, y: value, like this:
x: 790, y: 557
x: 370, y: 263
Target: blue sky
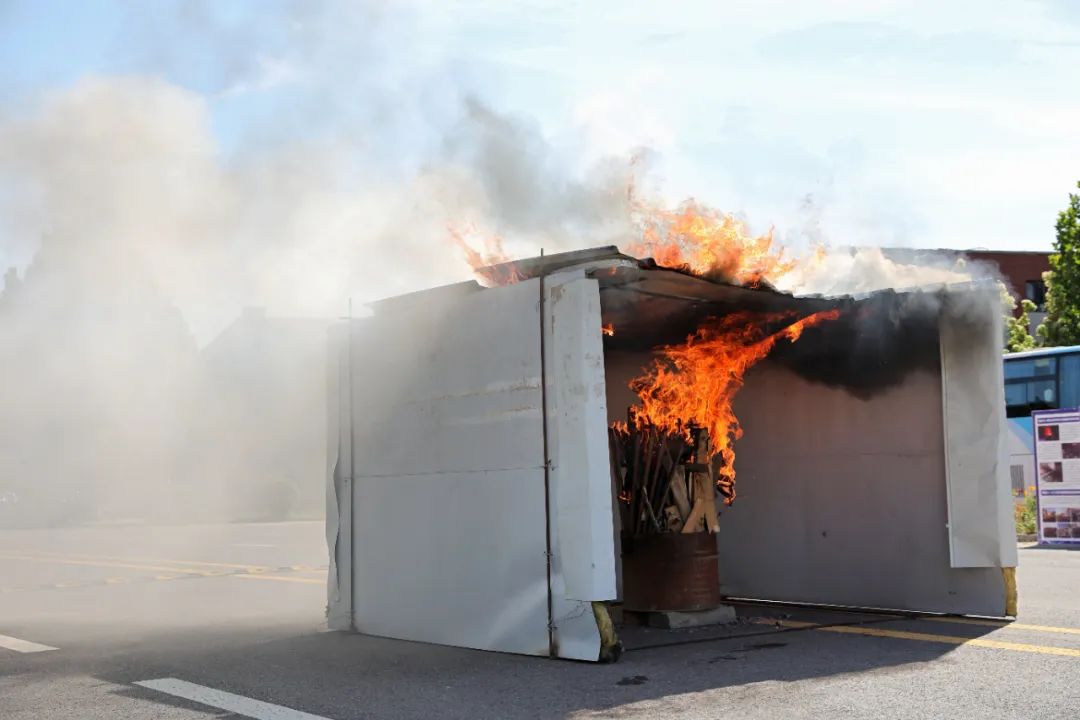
x: 858, y: 122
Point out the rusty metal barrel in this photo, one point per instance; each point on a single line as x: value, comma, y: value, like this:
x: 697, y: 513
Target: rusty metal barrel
x: 670, y: 572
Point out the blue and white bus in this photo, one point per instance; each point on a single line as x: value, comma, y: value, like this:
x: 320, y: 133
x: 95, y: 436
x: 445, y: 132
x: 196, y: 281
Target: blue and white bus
x: 1036, y: 380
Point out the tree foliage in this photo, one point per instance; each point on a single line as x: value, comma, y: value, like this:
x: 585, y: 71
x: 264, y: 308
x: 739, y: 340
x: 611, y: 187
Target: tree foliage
x: 1018, y: 338
x: 1062, y: 324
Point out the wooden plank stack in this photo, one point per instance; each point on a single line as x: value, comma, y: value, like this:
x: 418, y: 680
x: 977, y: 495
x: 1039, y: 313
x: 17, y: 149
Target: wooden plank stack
x: 666, y: 480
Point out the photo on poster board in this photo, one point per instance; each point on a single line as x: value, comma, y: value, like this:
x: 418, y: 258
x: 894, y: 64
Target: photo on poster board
x: 1051, y: 472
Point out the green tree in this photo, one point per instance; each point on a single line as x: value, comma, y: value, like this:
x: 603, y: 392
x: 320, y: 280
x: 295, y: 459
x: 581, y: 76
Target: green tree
x: 1018, y: 337
x: 1062, y: 324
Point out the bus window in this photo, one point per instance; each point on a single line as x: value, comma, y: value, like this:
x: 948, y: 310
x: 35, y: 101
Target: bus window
x: 1029, y: 368
x: 1015, y: 394
x: 1069, y: 381
x: 1032, y: 384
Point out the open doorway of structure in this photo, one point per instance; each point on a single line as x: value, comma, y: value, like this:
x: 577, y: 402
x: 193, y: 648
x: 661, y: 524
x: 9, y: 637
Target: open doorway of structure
x: 843, y: 499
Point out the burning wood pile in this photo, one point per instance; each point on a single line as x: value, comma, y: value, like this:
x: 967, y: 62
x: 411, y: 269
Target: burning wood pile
x: 667, y: 481
x: 676, y: 451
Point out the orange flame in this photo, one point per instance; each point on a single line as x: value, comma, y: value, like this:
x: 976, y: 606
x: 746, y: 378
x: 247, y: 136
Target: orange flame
x: 481, y: 260
x: 696, y: 382
x: 708, y: 243
x: 608, y: 329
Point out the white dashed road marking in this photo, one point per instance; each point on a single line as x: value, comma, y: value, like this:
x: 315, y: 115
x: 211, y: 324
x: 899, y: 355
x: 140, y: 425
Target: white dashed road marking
x: 226, y: 701
x: 23, y: 646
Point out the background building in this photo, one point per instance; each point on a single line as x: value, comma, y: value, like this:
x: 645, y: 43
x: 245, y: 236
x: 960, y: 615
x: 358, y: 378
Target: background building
x: 1023, y: 272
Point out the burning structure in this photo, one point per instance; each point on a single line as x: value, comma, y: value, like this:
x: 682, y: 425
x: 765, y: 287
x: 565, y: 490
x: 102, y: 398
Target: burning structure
x: 491, y: 447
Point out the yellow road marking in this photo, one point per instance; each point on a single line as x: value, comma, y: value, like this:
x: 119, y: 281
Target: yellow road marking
x: 250, y: 568
x: 100, y: 563
x: 255, y: 572
x: 281, y: 577
x: 1007, y: 624
x: 928, y: 637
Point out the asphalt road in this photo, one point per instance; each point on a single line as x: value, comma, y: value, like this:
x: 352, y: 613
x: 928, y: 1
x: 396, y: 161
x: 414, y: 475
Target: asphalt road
x: 239, y: 609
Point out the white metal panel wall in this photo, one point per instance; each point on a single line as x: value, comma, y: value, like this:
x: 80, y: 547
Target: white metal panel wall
x: 842, y: 500
x: 338, y: 483
x: 582, y: 531
x: 448, y: 510
x: 981, y: 530
x: 577, y: 433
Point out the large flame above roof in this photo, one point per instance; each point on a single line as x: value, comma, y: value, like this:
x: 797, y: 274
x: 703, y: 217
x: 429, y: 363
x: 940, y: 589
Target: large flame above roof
x: 708, y: 243
x: 692, y: 237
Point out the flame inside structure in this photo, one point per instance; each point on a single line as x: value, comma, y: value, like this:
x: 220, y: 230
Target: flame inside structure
x: 608, y: 329
x: 694, y: 384
x: 708, y: 243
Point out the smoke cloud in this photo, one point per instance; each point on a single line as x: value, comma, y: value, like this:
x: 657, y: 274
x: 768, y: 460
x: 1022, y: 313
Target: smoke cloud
x: 893, y: 302
x: 858, y: 271
x: 141, y: 230
x: 139, y: 384
x: 891, y: 314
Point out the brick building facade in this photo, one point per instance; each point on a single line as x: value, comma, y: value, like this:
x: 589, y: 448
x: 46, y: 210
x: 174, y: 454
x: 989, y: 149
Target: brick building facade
x: 1022, y: 271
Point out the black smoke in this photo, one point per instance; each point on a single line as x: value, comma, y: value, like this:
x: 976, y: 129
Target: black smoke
x: 872, y: 346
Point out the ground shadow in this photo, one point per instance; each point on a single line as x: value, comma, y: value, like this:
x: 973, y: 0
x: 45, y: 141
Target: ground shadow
x: 345, y: 675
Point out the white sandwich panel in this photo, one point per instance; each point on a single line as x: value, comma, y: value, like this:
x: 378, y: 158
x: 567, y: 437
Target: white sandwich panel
x: 981, y: 529
x: 842, y: 500
x: 582, y: 530
x: 448, y: 522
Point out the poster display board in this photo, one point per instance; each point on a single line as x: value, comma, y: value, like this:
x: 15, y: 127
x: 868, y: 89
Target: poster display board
x: 1057, y: 475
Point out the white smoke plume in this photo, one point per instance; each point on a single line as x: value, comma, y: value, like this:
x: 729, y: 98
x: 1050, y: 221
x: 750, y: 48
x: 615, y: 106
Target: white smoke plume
x: 140, y: 234
x: 858, y: 271
x: 139, y: 237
